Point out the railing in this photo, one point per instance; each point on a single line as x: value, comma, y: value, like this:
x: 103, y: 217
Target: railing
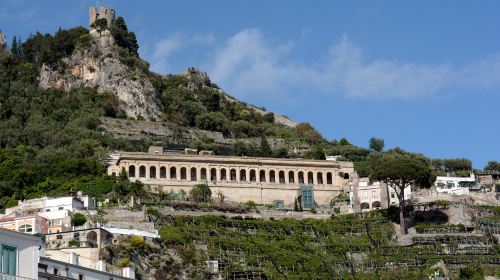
x: 4, y: 276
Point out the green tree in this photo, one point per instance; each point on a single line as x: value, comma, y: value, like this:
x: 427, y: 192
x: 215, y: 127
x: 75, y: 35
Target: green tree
x: 201, y: 193
x: 457, y: 164
x: 376, y: 144
x: 344, y: 142
x: 401, y: 171
x: 78, y: 219
x: 100, y: 25
x: 316, y: 152
x: 123, y: 37
x: 492, y: 166
x: 265, y: 149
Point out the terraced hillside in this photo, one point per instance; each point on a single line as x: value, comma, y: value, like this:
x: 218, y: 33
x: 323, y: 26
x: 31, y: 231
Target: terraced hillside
x: 344, y: 247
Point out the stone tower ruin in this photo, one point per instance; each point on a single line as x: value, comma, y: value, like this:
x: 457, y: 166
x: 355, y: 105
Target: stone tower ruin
x: 103, y: 37
x: 3, y: 43
x: 103, y: 12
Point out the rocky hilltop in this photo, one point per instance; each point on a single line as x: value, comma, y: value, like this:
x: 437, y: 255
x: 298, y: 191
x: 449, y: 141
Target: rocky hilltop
x: 99, y: 64
x: 110, y: 64
x: 101, y: 68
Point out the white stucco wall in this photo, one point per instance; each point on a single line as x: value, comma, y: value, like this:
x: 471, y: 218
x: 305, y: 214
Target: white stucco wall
x: 27, y: 247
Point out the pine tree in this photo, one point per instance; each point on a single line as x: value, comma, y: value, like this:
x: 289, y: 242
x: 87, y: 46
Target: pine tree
x: 14, y: 49
x: 265, y: 149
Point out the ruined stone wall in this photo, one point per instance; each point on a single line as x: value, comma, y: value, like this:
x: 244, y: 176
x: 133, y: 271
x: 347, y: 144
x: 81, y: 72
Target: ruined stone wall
x: 3, y: 43
x: 103, y: 12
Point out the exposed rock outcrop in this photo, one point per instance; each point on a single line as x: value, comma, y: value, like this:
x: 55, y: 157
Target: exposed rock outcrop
x: 3, y: 43
x: 101, y: 68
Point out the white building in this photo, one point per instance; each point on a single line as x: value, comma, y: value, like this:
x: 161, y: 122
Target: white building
x: 454, y: 185
x: 19, y: 254
x: 22, y: 256
x: 49, y: 269
x: 365, y: 195
x: 49, y: 205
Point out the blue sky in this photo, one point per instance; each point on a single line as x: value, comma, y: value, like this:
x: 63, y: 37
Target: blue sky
x: 424, y: 76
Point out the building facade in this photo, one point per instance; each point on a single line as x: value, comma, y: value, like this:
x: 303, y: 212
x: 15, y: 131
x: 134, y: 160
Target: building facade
x: 30, y: 224
x: 366, y: 196
x: 23, y: 256
x: 240, y: 179
x: 19, y: 255
x: 454, y: 185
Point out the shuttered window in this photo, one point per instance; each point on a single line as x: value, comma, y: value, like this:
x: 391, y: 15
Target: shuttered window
x: 8, y: 260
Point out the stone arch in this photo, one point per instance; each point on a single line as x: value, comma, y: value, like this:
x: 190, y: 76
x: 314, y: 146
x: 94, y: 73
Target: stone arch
x: 91, y: 239
x: 232, y: 174
x: 253, y: 175
x: 183, y: 173
x: 365, y: 205
x: 163, y: 172
x: 142, y: 171
x: 376, y: 204
x: 243, y: 175
x: 193, y: 176
x: 173, y: 172
x: 310, y: 178
x: 329, y: 178
x: 301, y: 177
x: 213, y: 174
x: 262, y: 176
x: 291, y: 177
x: 272, y: 176
x: 281, y: 177
x: 152, y: 172
x: 131, y: 171
x: 223, y: 174
x: 203, y: 174
x: 319, y: 178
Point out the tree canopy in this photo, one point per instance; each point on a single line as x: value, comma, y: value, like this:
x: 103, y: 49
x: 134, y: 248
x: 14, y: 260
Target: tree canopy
x: 376, y: 144
x: 492, y: 166
x: 400, y: 171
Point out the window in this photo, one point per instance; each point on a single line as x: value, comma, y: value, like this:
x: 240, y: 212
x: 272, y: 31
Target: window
x: 56, y: 271
x: 393, y: 195
x: 365, y: 194
x: 60, y: 208
x: 142, y: 171
x: 374, y: 194
x: 193, y: 174
x: 152, y: 172
x: 131, y: 171
x: 272, y: 176
x: 25, y: 228
x: 59, y: 236
x: 319, y: 177
x: 8, y: 257
x: 47, y: 210
x: 163, y: 172
x: 80, y: 277
x: 329, y: 178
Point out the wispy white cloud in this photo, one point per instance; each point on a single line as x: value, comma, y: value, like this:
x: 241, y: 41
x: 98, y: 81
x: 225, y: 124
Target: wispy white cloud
x: 163, y: 49
x: 248, y: 63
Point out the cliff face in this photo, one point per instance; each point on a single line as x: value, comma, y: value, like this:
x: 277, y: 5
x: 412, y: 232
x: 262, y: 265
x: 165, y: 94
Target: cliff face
x: 100, y: 67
